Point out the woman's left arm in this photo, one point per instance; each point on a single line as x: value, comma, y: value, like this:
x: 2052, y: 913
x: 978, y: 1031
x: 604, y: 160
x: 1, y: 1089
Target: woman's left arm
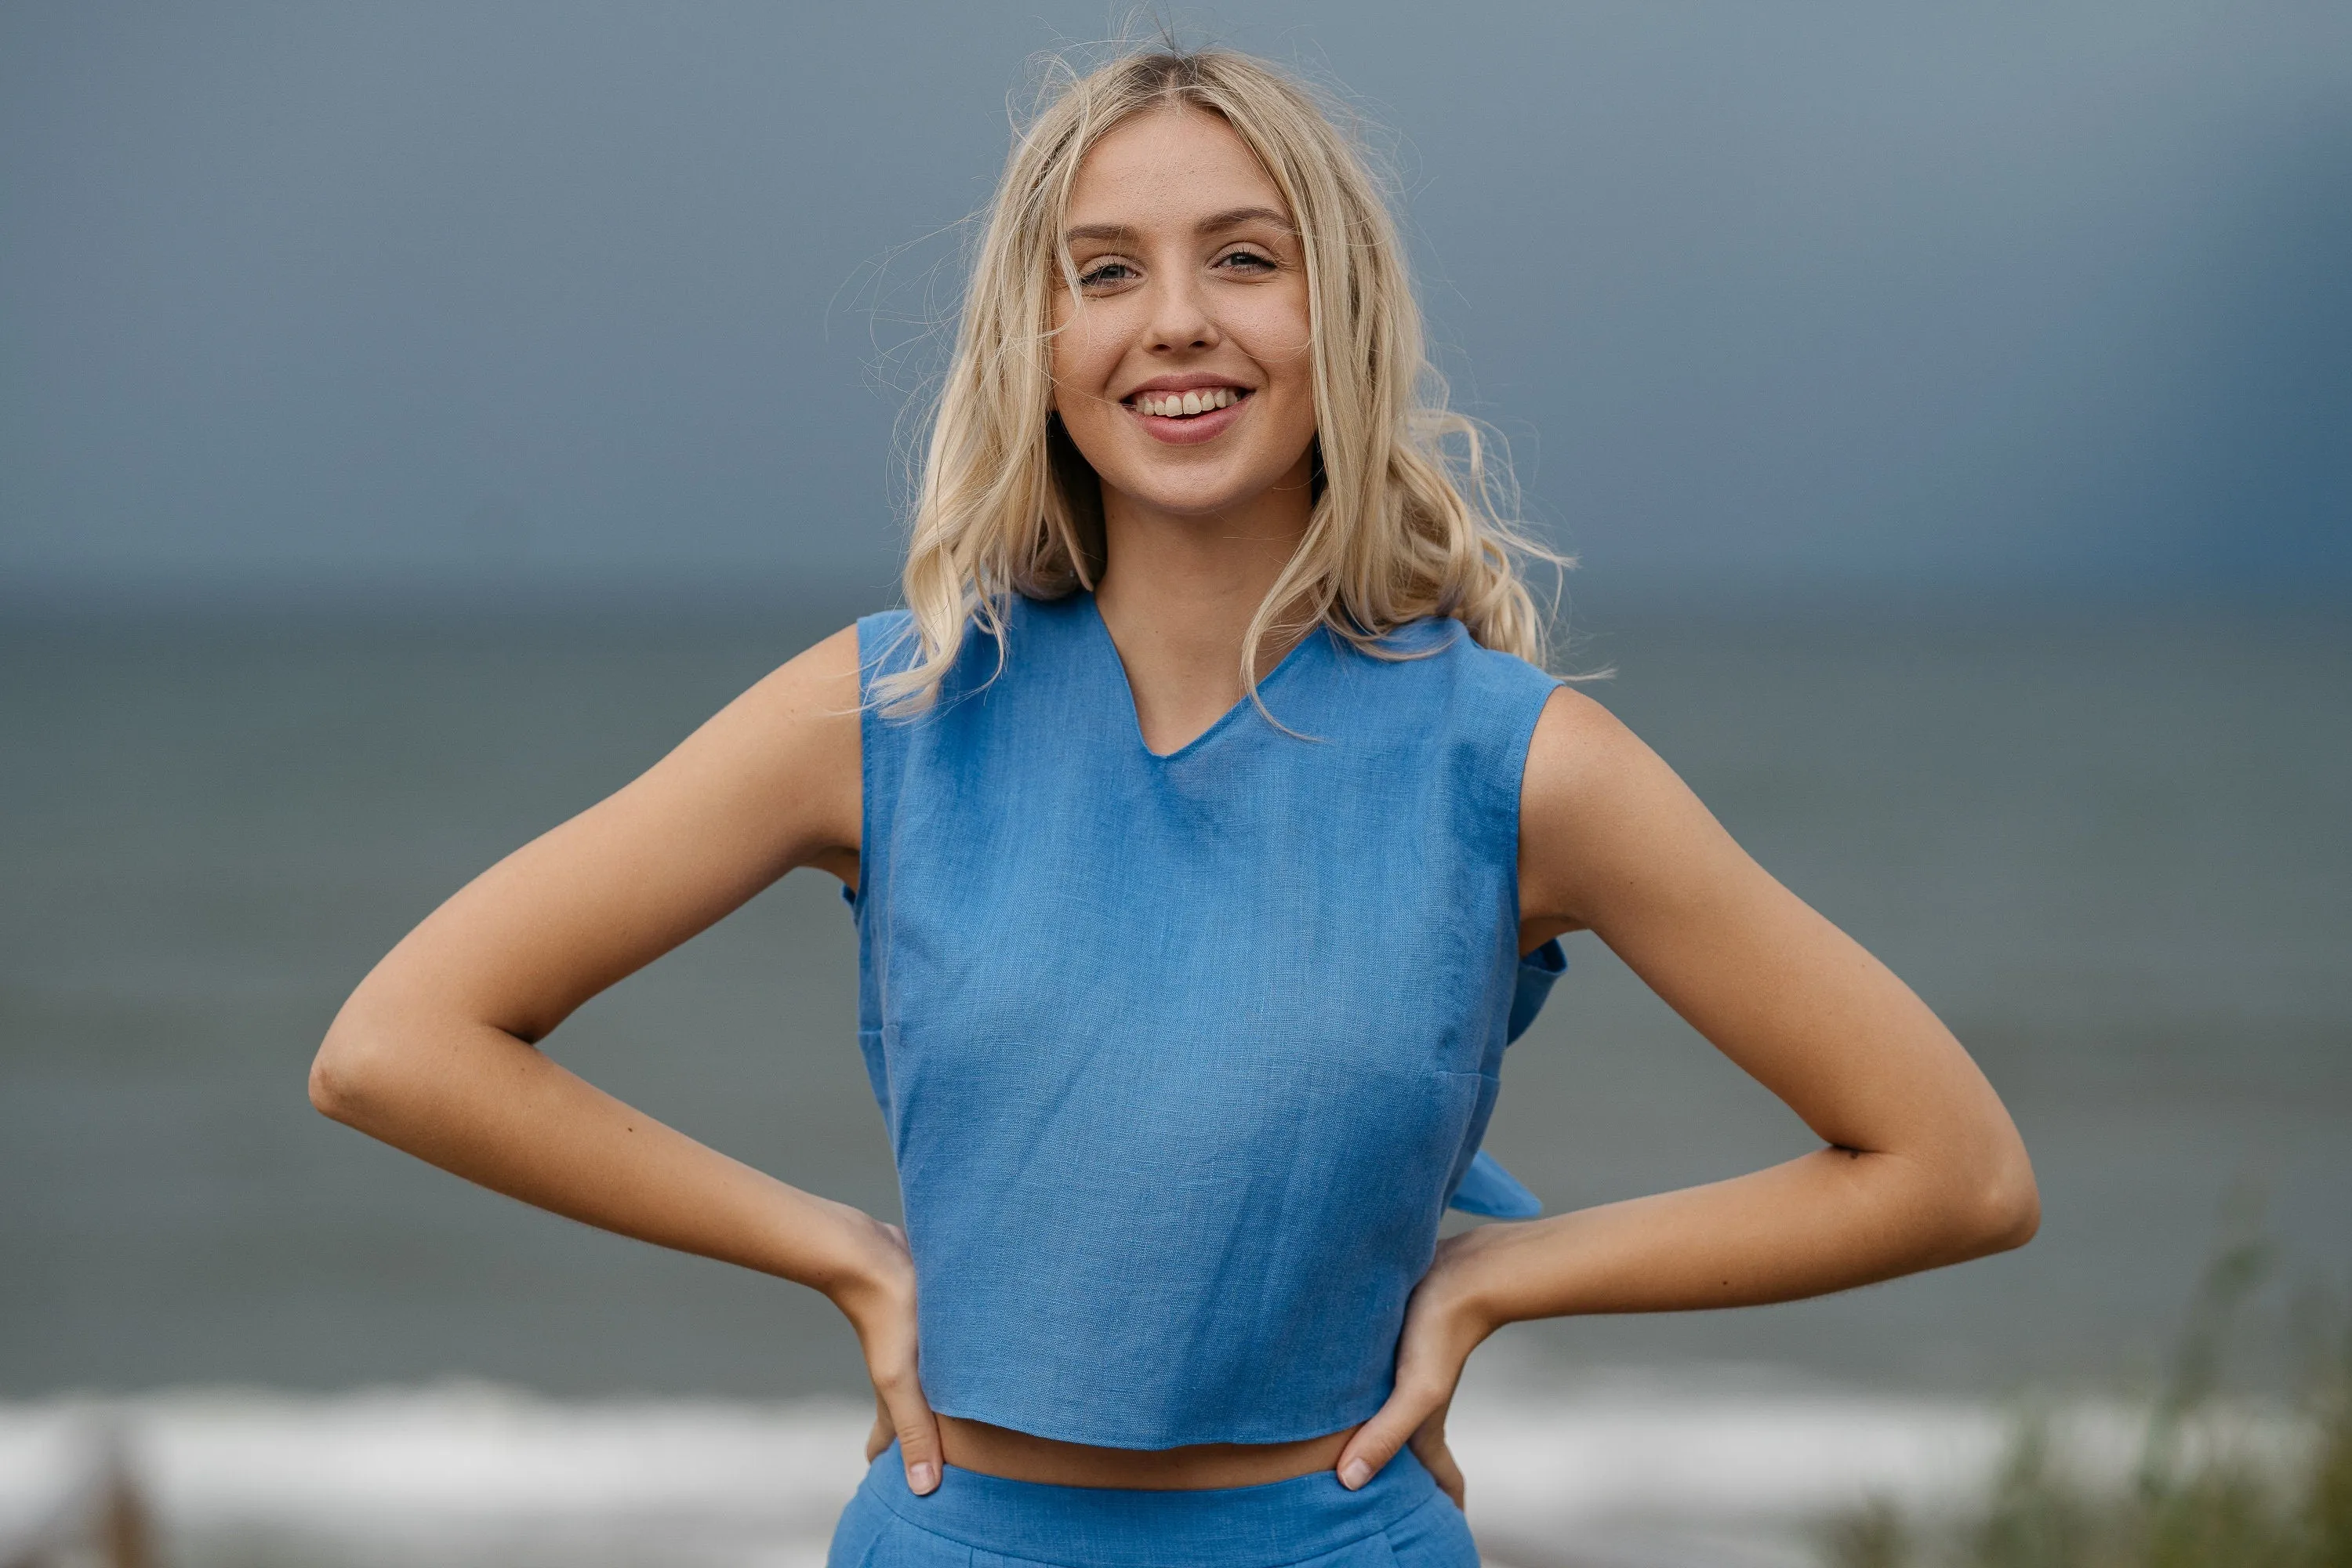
x: 1922, y: 1165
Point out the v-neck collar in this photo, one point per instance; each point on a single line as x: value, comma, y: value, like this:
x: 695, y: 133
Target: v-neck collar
x: 1222, y: 722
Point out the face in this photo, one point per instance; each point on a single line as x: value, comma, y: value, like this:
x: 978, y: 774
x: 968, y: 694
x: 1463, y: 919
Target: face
x: 1181, y: 364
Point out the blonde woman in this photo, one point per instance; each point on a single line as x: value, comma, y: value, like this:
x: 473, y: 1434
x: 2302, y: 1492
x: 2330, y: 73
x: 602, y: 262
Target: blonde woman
x: 1210, y: 822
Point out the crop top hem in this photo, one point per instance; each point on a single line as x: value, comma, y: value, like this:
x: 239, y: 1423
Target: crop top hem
x: 1093, y: 1437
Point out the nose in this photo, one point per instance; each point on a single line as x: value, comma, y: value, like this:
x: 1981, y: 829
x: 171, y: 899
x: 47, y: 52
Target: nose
x: 1180, y: 318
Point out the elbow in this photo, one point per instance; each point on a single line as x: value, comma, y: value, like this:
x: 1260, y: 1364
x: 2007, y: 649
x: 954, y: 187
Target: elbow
x: 333, y: 1089
x: 347, y: 1076
x: 2005, y: 1207
x: 2023, y: 1214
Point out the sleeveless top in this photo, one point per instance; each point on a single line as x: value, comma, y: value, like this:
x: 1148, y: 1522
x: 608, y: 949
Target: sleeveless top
x: 1183, y: 1056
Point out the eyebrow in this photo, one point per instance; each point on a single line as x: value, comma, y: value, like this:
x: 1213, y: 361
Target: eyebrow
x: 1216, y: 223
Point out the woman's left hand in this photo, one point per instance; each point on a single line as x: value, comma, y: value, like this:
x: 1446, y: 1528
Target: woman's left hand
x: 1442, y: 1326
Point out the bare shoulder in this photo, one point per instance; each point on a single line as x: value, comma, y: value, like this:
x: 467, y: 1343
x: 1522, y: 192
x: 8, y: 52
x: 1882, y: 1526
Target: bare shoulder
x: 1576, y: 741
x: 813, y: 693
x: 1599, y: 812
x: 770, y: 782
x: 1580, y: 757
x: 793, y: 737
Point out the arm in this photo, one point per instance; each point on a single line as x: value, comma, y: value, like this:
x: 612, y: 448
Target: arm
x: 435, y: 1052
x: 1921, y: 1166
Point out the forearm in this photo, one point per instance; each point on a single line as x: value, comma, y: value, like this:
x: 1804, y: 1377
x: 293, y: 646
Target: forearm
x: 484, y: 1105
x: 1827, y: 1221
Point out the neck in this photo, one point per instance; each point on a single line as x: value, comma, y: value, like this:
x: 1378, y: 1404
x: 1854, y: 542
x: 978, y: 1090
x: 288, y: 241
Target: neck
x: 1178, y: 593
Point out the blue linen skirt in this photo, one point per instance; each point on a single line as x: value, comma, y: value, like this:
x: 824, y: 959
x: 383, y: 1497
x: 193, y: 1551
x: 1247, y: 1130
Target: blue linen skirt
x: 973, y: 1521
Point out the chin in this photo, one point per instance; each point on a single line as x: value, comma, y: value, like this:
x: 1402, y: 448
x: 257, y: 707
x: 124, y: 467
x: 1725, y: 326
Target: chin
x: 1201, y: 490
x: 1190, y: 495
x: 1203, y: 505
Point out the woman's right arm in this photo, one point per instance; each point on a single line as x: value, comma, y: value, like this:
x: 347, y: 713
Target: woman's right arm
x: 435, y: 1052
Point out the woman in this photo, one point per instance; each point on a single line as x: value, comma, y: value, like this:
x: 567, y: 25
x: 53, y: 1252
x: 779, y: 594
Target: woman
x: 1206, y: 814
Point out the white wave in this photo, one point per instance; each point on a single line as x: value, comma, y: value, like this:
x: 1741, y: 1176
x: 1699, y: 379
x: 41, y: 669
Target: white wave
x: 1624, y: 1470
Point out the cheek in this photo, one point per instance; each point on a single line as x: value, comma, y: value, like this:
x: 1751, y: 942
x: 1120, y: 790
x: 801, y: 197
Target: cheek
x: 1273, y: 329
x: 1279, y: 340
x: 1082, y: 358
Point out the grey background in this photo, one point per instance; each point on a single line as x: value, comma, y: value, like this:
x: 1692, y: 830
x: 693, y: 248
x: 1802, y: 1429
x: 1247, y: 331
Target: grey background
x: 303, y: 299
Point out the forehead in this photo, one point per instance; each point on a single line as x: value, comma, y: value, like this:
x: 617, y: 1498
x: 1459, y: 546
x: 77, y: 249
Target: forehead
x: 1169, y: 166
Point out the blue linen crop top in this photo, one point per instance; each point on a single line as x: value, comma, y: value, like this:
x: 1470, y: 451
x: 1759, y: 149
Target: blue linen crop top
x: 1183, y: 1056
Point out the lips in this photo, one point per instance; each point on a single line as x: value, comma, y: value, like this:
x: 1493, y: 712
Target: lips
x: 1188, y: 405
x: 1184, y: 410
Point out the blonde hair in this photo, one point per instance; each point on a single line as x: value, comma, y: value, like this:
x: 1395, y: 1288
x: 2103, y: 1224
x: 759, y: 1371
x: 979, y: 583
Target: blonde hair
x: 1402, y: 528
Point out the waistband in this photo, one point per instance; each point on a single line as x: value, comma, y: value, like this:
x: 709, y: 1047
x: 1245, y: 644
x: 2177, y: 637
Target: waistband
x: 1277, y: 1522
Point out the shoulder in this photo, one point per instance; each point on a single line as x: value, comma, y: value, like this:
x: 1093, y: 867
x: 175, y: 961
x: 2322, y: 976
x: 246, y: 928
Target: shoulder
x: 880, y: 643
x: 818, y: 684
x: 890, y: 640
x: 1437, y: 656
x: 1600, y: 812
x: 1444, y: 643
x: 1577, y: 747
x: 797, y: 729
x: 771, y: 781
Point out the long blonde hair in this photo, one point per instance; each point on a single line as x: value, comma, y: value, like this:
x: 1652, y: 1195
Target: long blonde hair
x: 1402, y: 528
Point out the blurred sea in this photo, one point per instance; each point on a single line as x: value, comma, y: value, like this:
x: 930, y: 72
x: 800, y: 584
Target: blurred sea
x: 2109, y: 846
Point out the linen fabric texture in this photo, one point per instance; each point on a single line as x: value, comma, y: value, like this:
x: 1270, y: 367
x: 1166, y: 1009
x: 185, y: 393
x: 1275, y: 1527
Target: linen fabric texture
x: 1398, y: 1520
x: 1486, y: 1188
x: 1182, y: 1056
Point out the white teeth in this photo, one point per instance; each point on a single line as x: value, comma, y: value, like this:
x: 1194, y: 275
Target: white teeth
x: 1186, y: 404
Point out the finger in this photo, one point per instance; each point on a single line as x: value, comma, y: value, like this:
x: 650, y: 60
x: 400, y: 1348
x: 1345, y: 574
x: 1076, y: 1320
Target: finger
x: 879, y: 1437
x: 1377, y: 1441
x: 1430, y: 1447
x: 917, y: 1429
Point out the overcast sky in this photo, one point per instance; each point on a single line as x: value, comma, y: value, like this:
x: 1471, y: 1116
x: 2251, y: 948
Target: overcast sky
x: 571, y: 294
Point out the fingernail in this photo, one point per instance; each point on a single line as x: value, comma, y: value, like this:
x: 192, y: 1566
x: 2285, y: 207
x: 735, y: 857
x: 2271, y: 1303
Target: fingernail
x: 923, y: 1477
x: 1355, y: 1475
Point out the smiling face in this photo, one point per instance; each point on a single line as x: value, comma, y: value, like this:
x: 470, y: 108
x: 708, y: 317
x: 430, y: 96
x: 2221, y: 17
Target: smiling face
x: 1182, y: 364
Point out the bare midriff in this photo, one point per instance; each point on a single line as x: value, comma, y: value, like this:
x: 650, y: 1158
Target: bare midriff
x: 1019, y: 1456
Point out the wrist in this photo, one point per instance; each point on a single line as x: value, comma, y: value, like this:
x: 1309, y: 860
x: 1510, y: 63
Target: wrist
x: 860, y: 1261
x: 1469, y: 1281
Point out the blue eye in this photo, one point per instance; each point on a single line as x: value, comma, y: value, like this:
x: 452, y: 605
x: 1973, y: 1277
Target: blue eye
x: 1107, y: 272
x: 1248, y: 261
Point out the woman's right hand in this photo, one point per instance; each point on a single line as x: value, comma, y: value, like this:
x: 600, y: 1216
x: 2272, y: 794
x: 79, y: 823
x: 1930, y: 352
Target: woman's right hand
x: 878, y: 1300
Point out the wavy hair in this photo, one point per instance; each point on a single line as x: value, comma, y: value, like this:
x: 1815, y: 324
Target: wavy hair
x: 1406, y: 520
